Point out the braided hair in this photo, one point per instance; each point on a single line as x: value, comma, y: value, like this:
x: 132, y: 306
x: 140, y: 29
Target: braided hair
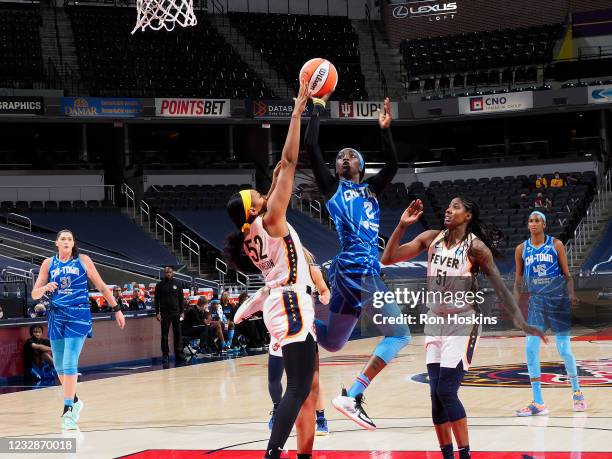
x: 490, y: 235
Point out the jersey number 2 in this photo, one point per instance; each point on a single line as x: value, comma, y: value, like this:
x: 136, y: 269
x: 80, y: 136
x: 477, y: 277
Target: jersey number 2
x: 256, y: 255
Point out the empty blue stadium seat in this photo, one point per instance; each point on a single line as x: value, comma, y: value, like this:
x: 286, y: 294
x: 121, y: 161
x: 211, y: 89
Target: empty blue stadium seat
x: 111, y: 231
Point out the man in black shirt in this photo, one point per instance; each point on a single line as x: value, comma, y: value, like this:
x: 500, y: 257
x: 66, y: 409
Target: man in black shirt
x: 36, y: 352
x: 169, y: 308
x: 137, y: 303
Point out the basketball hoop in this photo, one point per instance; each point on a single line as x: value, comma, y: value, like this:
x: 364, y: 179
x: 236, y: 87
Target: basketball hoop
x: 164, y: 14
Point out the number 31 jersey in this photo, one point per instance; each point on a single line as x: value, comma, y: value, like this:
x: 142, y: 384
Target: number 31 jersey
x: 355, y: 211
x: 71, y: 279
x: 280, y: 259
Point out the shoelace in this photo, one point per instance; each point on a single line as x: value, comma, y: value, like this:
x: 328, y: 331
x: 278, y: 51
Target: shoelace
x: 359, y: 405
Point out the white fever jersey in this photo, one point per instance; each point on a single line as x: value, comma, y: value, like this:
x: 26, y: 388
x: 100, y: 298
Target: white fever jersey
x: 450, y: 275
x: 280, y: 259
x: 288, y: 310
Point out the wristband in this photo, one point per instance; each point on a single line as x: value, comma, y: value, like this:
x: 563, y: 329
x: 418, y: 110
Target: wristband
x: 317, y: 101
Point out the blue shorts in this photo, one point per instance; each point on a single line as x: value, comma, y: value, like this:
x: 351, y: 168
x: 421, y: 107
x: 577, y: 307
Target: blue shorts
x: 553, y: 313
x: 70, y: 322
x: 351, y: 293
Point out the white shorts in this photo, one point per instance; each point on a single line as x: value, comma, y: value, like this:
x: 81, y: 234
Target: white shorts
x: 289, y: 315
x: 450, y: 344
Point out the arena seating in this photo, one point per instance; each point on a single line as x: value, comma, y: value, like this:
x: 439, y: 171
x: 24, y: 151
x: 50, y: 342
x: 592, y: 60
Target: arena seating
x: 499, y: 196
x: 189, y: 62
x: 191, y: 196
x: 55, y: 206
x: 600, y: 259
x: 5, y: 262
x: 518, y: 49
x: 20, y: 50
x: 111, y: 231
x: 287, y: 41
x: 213, y: 225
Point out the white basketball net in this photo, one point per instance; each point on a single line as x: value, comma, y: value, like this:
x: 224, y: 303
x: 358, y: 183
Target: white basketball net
x: 164, y: 14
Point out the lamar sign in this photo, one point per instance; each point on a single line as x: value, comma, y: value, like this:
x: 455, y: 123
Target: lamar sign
x: 495, y: 103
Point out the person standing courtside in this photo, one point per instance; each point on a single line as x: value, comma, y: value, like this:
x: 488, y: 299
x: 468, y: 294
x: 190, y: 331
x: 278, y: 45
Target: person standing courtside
x: 169, y: 309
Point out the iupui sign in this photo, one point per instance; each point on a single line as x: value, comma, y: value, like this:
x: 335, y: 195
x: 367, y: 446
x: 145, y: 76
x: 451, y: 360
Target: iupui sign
x: 600, y: 94
x: 364, y: 110
x: 495, y: 103
x: 193, y: 108
x: 425, y: 8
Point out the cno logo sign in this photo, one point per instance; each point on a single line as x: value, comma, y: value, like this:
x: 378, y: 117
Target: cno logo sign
x: 432, y: 9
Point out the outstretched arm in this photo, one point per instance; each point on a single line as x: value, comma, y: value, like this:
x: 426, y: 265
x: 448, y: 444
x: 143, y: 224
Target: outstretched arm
x: 394, y: 252
x: 326, y: 182
x: 379, y: 181
x: 483, y: 257
x: 518, y: 275
x: 94, y: 277
x: 275, y: 217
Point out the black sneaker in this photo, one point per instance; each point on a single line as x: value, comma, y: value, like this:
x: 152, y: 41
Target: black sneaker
x: 352, y: 408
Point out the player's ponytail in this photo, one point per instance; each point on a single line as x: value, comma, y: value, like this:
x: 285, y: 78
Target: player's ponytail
x: 490, y: 235
x: 233, y: 253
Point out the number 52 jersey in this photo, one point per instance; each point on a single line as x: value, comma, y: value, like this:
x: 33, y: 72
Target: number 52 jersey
x: 288, y: 310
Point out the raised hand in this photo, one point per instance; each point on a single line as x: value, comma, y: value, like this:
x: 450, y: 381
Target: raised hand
x: 384, y: 118
x: 528, y: 329
x: 303, y: 95
x: 412, y: 214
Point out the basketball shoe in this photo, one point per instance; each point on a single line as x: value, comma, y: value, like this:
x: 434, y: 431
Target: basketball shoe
x: 352, y: 408
x: 533, y: 409
x: 579, y: 401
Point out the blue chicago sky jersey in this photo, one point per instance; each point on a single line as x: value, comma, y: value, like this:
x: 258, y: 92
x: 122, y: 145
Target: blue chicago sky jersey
x: 541, y: 269
x: 71, y: 278
x: 356, y: 215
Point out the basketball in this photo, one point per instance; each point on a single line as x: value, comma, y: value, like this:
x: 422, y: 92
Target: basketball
x: 321, y: 75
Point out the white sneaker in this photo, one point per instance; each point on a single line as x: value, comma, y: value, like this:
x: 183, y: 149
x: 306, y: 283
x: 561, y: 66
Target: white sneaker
x: 76, y: 409
x: 352, y: 409
x: 68, y: 421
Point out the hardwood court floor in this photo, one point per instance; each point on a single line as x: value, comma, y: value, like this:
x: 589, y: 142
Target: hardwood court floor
x: 223, y: 407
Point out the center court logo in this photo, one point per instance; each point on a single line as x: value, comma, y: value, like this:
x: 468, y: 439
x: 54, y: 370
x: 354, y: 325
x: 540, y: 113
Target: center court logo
x: 591, y: 373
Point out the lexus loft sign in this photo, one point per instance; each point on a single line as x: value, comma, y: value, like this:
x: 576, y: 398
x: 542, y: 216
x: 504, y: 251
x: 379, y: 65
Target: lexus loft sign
x: 434, y: 10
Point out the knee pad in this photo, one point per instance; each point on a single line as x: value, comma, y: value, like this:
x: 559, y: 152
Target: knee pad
x: 448, y: 392
x: 563, y: 346
x: 389, y: 347
x: 438, y: 413
x: 57, y: 348
x: 532, y: 354
x: 72, y: 351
